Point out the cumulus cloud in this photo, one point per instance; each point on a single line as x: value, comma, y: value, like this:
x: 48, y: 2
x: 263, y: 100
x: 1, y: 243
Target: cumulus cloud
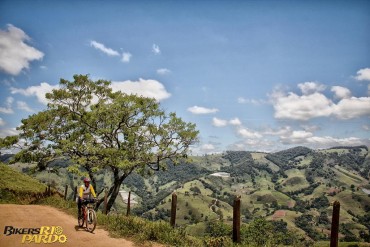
x: 126, y: 57
x: 21, y: 105
x: 101, y: 47
x: 155, y: 49
x: 315, y: 104
x: 363, y: 74
x: 235, y: 122
x: 352, y: 108
x: 305, y: 107
x: 15, y: 53
x: 163, y: 71
x: 310, y: 87
x: 247, y: 133
x: 296, y: 137
x: 37, y: 91
x: 219, y: 122
x: 8, y: 132
x: 308, y: 138
x: 201, y: 110
x: 8, y: 106
x: 146, y: 88
x: 341, y: 92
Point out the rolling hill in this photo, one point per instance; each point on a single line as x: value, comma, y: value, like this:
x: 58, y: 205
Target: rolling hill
x: 295, y: 186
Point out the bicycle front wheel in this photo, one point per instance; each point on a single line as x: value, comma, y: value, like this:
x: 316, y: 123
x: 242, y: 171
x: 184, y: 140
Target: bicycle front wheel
x: 81, y: 221
x: 91, y: 220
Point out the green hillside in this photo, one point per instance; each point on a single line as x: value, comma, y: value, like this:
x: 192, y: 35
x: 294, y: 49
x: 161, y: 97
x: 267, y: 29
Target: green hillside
x: 294, y: 186
x: 17, y: 187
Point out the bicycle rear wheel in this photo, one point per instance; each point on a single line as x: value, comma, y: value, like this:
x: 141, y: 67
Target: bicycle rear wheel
x: 91, y: 220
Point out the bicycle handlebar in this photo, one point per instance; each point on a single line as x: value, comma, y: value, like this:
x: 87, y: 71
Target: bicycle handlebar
x: 89, y: 200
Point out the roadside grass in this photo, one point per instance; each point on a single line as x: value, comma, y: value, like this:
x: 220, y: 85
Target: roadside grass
x: 18, y: 188
x: 341, y: 244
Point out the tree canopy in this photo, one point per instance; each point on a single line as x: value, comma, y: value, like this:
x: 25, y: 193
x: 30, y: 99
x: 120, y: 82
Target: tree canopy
x: 97, y: 128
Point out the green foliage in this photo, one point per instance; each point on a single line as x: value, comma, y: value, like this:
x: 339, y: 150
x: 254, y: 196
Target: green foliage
x: 283, y: 158
x: 96, y: 128
x: 143, y: 230
x: 18, y: 182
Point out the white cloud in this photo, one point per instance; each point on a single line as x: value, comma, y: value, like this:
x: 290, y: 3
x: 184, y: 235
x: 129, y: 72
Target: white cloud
x: 15, y: 54
x: 155, y: 49
x: 315, y: 104
x: 235, y: 122
x: 207, y: 147
x: 2, y: 122
x: 363, y: 74
x: 8, y: 132
x: 146, y: 88
x: 366, y: 127
x: 202, y: 110
x: 242, y: 100
x: 308, y: 88
x: 8, y: 106
x: 328, y: 141
x: 38, y: 91
x: 247, y: 133
x: 296, y: 137
x: 352, y: 108
x: 163, y: 71
x: 341, y: 92
x: 23, y: 106
x: 219, y: 122
x: 126, y: 57
x: 304, y: 107
x: 103, y: 48
x: 368, y: 89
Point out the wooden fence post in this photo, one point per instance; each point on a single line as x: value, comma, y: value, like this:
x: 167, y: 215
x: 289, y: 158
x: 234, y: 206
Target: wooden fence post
x: 335, y: 225
x: 105, y: 201
x: 173, y: 209
x: 65, y: 192
x: 75, y: 193
x: 128, y: 203
x: 236, y: 220
x: 49, y: 190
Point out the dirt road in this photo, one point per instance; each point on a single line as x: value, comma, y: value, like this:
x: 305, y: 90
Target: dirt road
x: 34, y: 217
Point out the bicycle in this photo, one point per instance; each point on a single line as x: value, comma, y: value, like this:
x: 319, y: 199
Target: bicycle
x: 88, y: 215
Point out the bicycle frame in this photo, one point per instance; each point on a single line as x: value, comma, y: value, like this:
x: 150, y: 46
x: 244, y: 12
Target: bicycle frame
x: 88, y: 223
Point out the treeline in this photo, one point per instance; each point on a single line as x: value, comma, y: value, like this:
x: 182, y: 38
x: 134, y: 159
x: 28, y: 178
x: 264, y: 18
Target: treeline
x: 284, y: 158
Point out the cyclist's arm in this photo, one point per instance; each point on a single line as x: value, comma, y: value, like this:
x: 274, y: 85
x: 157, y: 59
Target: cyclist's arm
x: 92, y: 191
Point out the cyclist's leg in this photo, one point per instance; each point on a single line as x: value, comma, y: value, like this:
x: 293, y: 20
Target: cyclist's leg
x: 79, y: 204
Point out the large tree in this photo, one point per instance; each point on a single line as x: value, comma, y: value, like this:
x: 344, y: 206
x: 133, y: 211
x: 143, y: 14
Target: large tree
x: 97, y: 128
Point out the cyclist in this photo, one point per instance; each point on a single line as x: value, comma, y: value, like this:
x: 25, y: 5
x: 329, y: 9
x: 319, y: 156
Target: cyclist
x: 86, y: 193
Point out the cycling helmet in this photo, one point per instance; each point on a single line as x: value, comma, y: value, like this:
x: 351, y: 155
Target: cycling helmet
x: 87, y: 180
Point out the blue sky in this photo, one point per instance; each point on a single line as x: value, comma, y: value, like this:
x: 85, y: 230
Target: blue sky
x: 253, y: 75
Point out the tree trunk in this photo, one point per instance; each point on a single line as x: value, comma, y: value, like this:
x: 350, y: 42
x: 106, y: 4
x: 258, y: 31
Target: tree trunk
x: 115, y: 190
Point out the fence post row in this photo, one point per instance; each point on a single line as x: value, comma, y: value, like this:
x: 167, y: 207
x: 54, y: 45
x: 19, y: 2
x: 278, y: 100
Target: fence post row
x: 173, y: 209
x: 335, y: 225
x: 236, y: 220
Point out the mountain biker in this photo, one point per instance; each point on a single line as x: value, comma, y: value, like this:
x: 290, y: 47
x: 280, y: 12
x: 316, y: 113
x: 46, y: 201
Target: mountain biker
x: 86, y: 192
